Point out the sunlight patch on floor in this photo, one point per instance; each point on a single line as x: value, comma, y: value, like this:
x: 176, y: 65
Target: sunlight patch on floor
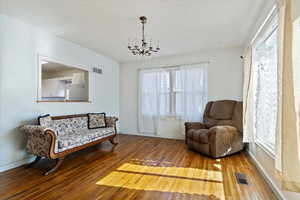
x: 174, y: 171
x: 166, y: 179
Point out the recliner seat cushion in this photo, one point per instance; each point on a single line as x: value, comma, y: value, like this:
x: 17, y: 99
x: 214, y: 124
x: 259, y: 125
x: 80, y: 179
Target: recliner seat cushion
x: 74, y: 139
x: 209, y: 122
x: 222, y: 110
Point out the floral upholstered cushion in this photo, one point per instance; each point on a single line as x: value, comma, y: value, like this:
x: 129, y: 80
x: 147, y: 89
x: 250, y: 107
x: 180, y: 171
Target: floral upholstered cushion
x: 96, y: 120
x: 71, y: 140
x: 65, y: 126
x: 45, y: 120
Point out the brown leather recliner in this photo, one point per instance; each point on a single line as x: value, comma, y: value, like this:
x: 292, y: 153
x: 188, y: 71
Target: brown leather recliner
x: 221, y: 132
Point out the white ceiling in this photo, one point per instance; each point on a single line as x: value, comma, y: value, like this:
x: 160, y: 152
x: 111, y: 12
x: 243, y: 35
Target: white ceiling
x: 182, y: 26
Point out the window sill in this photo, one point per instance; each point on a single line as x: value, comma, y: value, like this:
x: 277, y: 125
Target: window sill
x: 266, y: 149
x: 63, y: 101
x: 164, y: 117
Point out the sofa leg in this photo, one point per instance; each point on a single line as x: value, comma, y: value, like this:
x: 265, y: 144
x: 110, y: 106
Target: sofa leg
x: 37, y: 159
x: 112, y: 141
x: 59, y: 161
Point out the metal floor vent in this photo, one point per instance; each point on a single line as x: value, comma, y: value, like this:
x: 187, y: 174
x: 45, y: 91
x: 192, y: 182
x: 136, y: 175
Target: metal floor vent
x: 242, y: 178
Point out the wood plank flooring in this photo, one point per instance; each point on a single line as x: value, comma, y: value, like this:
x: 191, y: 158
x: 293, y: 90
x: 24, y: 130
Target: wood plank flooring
x: 138, y: 168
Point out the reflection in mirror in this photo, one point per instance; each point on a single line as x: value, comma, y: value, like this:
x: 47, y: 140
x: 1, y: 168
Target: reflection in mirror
x: 63, y: 83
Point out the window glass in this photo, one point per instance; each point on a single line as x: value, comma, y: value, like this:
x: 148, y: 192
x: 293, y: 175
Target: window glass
x: 265, y: 60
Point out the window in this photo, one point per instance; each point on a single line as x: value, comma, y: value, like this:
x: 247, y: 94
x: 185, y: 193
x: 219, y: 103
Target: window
x: 265, y: 58
x: 176, y: 91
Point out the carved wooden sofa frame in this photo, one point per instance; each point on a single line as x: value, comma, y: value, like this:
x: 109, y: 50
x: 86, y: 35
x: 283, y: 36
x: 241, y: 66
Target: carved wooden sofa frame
x: 60, y: 156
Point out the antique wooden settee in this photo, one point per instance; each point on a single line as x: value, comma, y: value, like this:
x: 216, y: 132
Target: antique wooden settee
x: 56, y: 137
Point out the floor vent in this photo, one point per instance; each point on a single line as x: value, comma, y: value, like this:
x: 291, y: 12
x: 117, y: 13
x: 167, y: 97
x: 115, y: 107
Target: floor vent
x: 242, y: 178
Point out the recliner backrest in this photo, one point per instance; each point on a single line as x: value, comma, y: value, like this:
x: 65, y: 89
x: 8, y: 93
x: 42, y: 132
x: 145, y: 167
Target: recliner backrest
x: 224, y: 112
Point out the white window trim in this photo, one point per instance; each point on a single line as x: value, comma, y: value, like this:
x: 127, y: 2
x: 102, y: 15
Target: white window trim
x: 265, y: 147
x: 258, y: 41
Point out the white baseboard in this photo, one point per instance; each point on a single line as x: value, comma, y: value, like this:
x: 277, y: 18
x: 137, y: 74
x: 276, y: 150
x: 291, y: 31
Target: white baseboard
x: 277, y: 191
x: 156, y: 136
x: 16, y: 164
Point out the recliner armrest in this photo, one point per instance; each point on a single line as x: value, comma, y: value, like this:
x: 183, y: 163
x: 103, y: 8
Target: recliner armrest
x: 223, y: 140
x: 194, y: 125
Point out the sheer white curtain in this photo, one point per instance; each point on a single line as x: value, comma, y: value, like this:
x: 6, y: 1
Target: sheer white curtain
x: 176, y: 91
x: 191, y: 101
x: 154, y: 98
x: 248, y: 105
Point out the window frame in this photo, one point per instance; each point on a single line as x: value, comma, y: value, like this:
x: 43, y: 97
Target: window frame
x: 268, y: 30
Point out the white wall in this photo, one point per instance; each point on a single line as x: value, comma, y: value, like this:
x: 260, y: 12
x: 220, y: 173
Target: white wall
x: 225, y: 80
x: 20, y: 45
x: 296, y: 9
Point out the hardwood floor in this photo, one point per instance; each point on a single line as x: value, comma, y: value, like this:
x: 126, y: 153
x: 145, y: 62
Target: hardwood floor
x: 138, y: 168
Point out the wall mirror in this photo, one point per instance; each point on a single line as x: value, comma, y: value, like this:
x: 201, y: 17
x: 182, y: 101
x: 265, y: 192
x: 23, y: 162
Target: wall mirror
x: 62, y: 83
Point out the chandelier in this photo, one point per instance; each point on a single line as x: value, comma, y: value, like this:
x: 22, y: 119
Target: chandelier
x: 144, y: 48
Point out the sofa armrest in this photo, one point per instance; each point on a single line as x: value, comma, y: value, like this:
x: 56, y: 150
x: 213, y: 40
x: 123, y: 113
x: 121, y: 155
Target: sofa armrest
x: 40, y: 139
x: 34, y: 129
x: 111, y: 121
x: 194, y: 125
x: 224, y: 140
